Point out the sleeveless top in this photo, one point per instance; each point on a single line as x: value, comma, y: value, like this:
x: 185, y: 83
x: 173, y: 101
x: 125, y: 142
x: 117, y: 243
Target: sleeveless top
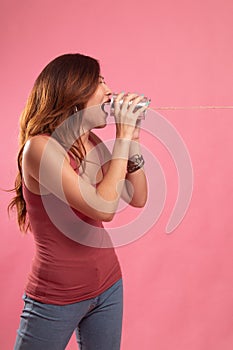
x: 63, y: 270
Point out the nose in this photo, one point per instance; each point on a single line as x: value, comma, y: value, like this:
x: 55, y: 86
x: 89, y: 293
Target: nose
x: 108, y: 91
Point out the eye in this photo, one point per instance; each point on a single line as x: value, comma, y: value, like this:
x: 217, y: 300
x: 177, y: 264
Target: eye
x: 102, y: 81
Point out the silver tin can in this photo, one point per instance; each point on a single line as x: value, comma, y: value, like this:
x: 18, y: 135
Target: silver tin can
x: 144, y: 102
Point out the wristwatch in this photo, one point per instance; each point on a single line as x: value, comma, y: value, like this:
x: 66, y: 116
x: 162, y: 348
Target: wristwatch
x: 135, y: 162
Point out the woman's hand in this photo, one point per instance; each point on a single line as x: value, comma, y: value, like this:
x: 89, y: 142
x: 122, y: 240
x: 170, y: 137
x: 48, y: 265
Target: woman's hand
x: 127, y: 122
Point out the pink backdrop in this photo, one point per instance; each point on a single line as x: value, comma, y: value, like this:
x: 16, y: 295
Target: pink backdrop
x: 178, y: 287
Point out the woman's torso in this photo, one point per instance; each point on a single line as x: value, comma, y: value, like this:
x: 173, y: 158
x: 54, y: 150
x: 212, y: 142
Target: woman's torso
x: 68, y: 266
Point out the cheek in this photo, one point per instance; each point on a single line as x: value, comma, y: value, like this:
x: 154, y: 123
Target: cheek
x: 99, y: 94
x: 96, y: 98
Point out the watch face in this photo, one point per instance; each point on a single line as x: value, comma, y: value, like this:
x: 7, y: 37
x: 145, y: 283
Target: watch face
x: 135, y: 162
x: 136, y: 159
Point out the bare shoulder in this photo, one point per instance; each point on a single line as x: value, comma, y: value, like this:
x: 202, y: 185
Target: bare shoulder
x: 35, y: 144
x: 38, y: 144
x: 38, y: 150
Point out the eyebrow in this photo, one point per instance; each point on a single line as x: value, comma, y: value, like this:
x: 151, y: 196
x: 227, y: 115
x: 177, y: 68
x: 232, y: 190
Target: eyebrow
x: 100, y: 76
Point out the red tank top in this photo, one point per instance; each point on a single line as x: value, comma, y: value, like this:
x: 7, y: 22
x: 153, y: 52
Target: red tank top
x: 63, y: 270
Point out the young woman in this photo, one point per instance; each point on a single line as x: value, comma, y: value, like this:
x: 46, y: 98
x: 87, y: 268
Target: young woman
x: 65, y: 171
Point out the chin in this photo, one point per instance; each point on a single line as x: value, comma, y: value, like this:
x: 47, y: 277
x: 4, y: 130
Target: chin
x: 100, y: 126
x: 102, y: 122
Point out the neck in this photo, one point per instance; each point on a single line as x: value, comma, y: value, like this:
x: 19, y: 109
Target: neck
x: 85, y: 137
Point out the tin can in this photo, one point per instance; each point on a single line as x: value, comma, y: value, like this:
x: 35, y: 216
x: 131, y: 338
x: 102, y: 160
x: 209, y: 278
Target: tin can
x: 144, y: 102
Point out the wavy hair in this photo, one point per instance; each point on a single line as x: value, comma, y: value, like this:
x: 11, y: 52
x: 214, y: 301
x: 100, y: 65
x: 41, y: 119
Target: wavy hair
x: 64, y: 85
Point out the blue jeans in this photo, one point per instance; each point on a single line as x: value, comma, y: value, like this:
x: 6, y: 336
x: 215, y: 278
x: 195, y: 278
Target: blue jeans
x: 97, y: 323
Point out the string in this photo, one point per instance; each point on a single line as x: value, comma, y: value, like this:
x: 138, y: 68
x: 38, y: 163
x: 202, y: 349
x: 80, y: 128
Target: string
x: 192, y: 107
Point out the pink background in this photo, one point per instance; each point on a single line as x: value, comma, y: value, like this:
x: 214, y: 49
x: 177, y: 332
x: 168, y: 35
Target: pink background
x: 178, y: 288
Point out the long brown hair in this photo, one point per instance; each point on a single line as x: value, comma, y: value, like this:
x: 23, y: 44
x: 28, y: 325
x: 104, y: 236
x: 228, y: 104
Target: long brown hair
x: 64, y: 85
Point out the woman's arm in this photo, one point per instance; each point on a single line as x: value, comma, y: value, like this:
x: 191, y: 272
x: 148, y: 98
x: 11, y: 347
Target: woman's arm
x: 47, y: 162
x: 136, y: 183
x: 135, y: 188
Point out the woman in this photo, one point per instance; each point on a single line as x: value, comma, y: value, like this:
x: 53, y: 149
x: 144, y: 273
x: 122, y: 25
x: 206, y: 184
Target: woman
x: 75, y: 283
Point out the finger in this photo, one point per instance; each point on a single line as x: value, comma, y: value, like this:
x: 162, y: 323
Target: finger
x: 117, y: 103
x: 130, y: 97
x: 135, y: 102
x: 126, y: 100
x: 119, y: 96
x: 141, y: 110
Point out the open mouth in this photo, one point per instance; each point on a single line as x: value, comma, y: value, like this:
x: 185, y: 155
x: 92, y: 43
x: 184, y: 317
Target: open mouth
x: 103, y: 106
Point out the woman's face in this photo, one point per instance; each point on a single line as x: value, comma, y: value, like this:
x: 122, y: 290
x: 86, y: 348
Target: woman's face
x: 94, y: 115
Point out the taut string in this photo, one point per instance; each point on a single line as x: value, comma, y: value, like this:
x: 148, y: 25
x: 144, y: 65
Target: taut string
x: 191, y: 107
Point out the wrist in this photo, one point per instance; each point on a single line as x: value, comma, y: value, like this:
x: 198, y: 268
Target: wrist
x: 135, y: 148
x: 124, y: 136
x: 121, y: 148
x: 135, y: 163
x: 136, y: 139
